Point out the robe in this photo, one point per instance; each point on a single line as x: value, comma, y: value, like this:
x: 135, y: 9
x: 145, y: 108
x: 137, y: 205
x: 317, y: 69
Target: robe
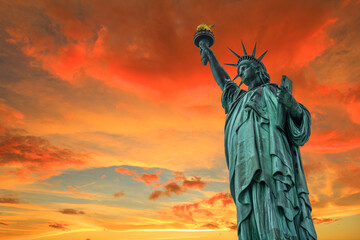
x: 266, y: 175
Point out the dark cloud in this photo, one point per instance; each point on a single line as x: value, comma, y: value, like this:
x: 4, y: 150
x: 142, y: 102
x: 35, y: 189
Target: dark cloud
x: 194, y: 182
x: 172, y: 187
x: 157, y: 194
x: 211, y: 225
x: 119, y: 194
x: 9, y: 200
x: 58, y: 226
x: 71, y: 211
x: 232, y: 226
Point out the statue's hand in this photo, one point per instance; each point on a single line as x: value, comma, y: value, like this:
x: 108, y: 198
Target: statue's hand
x: 204, y: 51
x: 289, y: 102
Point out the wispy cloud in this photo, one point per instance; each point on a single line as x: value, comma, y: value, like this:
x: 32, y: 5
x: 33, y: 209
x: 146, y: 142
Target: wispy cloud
x: 71, y: 211
x: 9, y: 200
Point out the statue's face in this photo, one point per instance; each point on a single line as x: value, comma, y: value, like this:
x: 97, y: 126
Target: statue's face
x: 246, y: 72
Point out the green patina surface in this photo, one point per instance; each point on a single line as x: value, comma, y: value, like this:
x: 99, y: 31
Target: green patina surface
x: 263, y: 131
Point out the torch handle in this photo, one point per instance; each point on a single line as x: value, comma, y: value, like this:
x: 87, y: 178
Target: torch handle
x: 204, y: 58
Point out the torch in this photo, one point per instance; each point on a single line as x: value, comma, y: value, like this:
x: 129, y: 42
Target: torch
x: 205, y: 36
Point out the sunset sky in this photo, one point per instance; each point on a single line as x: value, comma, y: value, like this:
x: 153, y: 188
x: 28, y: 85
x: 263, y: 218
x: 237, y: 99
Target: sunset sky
x: 111, y: 127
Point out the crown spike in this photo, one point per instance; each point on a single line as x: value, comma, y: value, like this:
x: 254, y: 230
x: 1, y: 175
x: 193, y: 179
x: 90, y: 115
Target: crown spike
x: 261, y: 57
x: 235, y: 77
x: 243, y: 47
x: 231, y: 64
x: 253, y: 54
x: 237, y: 55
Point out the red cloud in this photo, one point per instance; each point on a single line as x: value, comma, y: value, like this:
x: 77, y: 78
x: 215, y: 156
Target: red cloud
x: 147, y: 178
x: 158, y: 172
x: 179, y: 176
x: 225, y: 198
x: 58, y: 226
x: 71, y: 211
x: 125, y: 171
x: 88, y: 48
x: 5, y: 224
x: 187, y: 211
x: 35, y: 156
x: 119, y: 194
x: 325, y: 220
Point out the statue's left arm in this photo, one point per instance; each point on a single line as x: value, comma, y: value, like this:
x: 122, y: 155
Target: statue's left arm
x: 299, y: 120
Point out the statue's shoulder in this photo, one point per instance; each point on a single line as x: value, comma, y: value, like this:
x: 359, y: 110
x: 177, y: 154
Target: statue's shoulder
x: 273, y: 87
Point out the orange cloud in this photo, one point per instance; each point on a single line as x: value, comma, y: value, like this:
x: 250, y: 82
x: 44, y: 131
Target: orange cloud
x: 9, y: 116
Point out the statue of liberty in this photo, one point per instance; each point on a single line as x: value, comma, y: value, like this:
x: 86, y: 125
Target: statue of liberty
x: 264, y: 128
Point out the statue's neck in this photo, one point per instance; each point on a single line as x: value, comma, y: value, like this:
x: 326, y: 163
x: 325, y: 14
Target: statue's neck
x: 254, y: 84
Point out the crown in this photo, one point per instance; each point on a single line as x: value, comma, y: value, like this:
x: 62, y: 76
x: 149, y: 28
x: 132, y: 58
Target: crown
x: 247, y: 57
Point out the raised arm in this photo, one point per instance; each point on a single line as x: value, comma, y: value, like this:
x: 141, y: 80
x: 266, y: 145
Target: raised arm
x: 219, y: 73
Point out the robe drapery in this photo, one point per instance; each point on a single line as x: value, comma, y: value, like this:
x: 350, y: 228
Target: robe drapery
x: 266, y: 175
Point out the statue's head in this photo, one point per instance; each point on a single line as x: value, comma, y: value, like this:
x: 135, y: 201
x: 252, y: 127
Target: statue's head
x: 250, y: 68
